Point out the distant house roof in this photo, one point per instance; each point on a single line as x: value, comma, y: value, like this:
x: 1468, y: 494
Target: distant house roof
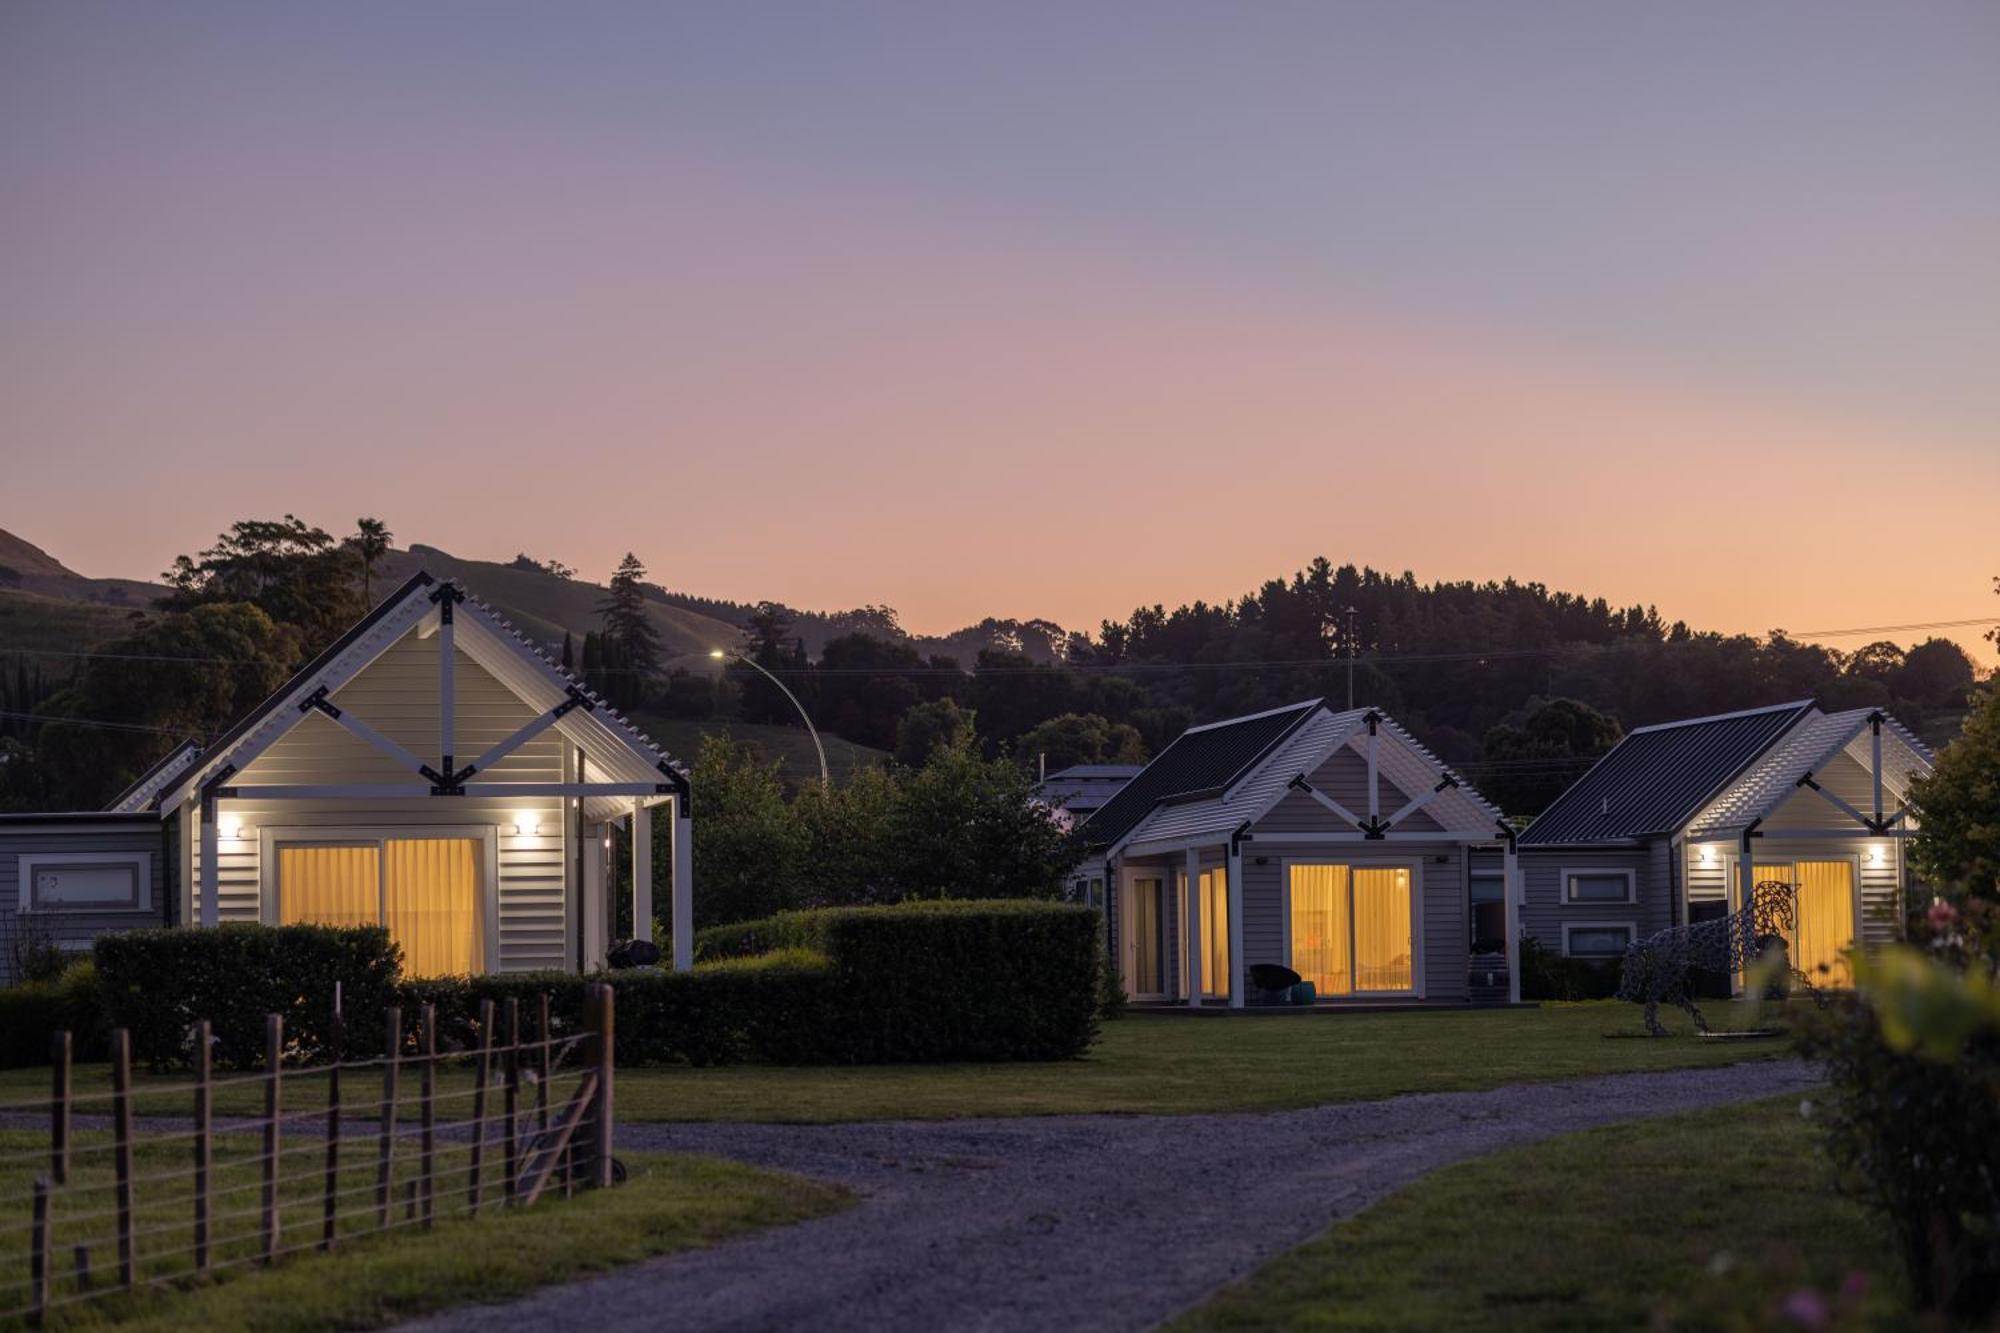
x: 1201, y: 759
x: 1657, y: 778
x: 1806, y: 750
x: 1083, y: 788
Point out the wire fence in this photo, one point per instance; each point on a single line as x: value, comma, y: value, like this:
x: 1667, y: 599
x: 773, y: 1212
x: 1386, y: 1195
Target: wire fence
x: 116, y: 1210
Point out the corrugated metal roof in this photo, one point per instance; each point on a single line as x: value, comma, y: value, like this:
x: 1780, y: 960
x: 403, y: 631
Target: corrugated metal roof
x: 1657, y: 778
x: 1807, y: 748
x: 1200, y: 759
x: 1082, y: 788
x: 146, y: 788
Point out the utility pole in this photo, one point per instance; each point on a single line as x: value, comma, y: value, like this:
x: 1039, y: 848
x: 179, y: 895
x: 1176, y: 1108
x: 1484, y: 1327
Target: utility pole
x: 1350, y: 613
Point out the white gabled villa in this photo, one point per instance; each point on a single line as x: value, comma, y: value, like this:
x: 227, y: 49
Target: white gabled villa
x: 431, y: 772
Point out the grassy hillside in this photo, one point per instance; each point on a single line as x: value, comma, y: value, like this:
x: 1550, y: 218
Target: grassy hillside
x: 31, y: 620
x: 543, y: 606
x: 789, y: 745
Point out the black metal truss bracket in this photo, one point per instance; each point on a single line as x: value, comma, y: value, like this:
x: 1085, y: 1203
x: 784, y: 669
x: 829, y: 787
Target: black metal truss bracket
x: 1875, y: 826
x: 317, y: 701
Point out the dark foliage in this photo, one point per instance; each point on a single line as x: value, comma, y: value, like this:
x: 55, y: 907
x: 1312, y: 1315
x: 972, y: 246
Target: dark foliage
x: 31, y: 1014
x: 158, y: 983
x: 1549, y: 975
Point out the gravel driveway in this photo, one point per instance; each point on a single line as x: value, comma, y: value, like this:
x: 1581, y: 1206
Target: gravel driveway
x: 1099, y: 1222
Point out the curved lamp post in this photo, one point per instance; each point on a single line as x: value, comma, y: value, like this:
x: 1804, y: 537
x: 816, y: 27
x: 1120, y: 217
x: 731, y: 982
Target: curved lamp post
x: 825, y: 779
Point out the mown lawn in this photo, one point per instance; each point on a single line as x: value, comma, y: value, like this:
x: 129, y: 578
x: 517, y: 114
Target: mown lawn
x: 668, y: 1203
x: 1144, y: 1063
x: 1710, y: 1220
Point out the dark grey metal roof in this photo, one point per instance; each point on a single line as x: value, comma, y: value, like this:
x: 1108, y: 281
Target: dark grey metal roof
x: 1657, y: 778
x: 1083, y: 788
x: 1201, y: 759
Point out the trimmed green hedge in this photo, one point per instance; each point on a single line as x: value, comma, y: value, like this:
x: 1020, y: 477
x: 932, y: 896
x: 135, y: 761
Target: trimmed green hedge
x: 158, y: 983
x: 992, y: 979
x: 919, y: 982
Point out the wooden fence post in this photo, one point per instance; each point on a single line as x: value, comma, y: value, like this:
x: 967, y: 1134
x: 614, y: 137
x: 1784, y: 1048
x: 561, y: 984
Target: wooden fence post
x: 38, y: 1256
x: 121, y: 1096
x: 542, y: 1086
x: 483, y: 1072
x: 427, y: 1150
x: 513, y: 1094
x: 59, y: 1108
x: 329, y: 1227
x: 274, y: 1049
x: 602, y: 1022
x: 204, y: 1142
x: 386, y: 1135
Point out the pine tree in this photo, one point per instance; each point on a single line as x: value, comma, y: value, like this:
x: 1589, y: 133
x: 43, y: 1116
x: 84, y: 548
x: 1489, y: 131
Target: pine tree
x: 569, y: 652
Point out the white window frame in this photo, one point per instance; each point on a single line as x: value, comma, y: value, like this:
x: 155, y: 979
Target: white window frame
x: 29, y: 864
x: 1416, y: 869
x: 270, y: 838
x: 1631, y: 877
x: 1630, y: 928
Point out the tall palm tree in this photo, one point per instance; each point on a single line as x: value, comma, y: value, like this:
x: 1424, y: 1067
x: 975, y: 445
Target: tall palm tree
x: 370, y: 542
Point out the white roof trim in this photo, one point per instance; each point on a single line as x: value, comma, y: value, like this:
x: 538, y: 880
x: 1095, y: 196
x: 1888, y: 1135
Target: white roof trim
x: 1303, y: 705
x: 605, y: 736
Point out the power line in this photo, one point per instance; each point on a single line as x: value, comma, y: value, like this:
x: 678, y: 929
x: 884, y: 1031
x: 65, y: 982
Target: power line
x: 1111, y: 668
x: 47, y: 719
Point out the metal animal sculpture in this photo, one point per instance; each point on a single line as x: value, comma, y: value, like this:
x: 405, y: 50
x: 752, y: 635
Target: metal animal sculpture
x: 1661, y: 968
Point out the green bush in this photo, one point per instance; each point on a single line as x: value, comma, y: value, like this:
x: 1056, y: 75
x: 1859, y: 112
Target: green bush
x: 158, y: 983
x: 1548, y: 975
x: 32, y: 1013
x: 749, y: 939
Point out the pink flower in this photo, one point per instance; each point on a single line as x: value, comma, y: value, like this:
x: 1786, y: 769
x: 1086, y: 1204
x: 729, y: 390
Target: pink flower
x: 1806, y: 1308
x: 1854, y: 1286
x: 1942, y: 914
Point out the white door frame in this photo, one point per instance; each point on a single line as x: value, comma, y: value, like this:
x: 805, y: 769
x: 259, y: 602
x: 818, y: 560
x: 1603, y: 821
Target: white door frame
x: 270, y: 837
x: 1416, y: 869
x: 1128, y: 887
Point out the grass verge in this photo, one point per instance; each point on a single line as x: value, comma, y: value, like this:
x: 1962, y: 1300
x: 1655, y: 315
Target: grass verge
x: 1713, y: 1219
x: 1145, y: 1063
x: 669, y: 1203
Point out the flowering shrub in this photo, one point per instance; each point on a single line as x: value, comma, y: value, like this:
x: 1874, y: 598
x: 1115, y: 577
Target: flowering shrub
x: 1913, y: 1114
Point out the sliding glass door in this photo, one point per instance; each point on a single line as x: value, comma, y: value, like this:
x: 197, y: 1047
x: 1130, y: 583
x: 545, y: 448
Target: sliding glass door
x: 1353, y: 928
x: 1144, y: 946
x: 1823, y: 912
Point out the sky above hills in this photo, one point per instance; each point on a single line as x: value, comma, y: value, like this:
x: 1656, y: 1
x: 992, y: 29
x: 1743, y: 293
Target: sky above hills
x: 1024, y: 309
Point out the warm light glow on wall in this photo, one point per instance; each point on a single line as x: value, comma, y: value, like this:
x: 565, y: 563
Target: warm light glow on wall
x: 525, y: 826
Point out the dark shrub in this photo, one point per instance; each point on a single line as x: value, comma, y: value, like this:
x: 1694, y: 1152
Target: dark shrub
x: 1548, y: 975
x: 31, y: 1015
x: 158, y: 983
x: 769, y: 934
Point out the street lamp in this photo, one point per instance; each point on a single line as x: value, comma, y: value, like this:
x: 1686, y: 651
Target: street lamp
x: 722, y: 654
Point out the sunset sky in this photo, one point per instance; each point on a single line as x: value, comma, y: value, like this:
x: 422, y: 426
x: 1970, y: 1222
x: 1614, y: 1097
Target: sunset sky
x: 1032, y: 310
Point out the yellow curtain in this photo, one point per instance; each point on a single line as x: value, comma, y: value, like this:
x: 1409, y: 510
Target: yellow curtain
x: 1320, y: 951
x: 329, y: 886
x: 1215, y: 932
x: 431, y: 904
x: 1382, y: 945
x: 1825, y: 922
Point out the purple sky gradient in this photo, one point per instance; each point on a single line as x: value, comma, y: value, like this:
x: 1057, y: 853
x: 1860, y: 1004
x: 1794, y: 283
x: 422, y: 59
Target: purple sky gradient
x: 1030, y: 310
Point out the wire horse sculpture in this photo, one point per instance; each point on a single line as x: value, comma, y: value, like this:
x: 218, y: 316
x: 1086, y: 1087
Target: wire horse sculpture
x: 1661, y: 968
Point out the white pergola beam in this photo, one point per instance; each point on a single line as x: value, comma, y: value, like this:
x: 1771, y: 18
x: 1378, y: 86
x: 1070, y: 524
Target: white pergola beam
x: 211, y: 877
x: 447, y: 678
x: 1418, y: 803
x: 1329, y: 802
x: 1834, y: 799
x: 1510, y: 889
x: 516, y: 741
x: 683, y: 887
x: 642, y: 871
x: 1235, y: 890
x: 356, y: 727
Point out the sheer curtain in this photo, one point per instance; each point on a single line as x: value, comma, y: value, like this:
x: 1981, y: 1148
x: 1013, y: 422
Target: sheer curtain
x: 1320, y: 952
x: 1382, y: 930
x: 329, y: 885
x: 1215, y: 932
x: 431, y: 904
x: 1825, y: 922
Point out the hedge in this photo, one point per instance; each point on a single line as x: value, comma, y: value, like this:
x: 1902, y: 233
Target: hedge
x: 32, y: 1013
x: 158, y: 983
x: 1004, y: 979
x: 919, y: 982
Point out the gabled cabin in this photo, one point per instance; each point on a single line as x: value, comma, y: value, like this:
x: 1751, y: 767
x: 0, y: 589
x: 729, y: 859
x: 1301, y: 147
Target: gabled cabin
x: 432, y: 772
x: 1330, y: 842
x: 1669, y: 826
